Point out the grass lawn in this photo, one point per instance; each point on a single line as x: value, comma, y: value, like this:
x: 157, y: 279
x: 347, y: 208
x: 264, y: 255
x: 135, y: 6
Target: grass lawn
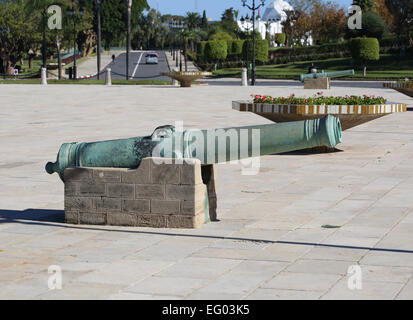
x: 388, y: 67
x: 88, y: 82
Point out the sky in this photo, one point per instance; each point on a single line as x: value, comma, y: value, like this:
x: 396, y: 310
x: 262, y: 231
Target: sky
x: 214, y: 8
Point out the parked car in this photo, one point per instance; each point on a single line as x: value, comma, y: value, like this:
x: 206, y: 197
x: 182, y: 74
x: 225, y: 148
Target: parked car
x: 152, y: 58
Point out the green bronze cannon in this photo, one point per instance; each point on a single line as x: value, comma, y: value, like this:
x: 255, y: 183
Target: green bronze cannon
x: 209, y: 146
x: 334, y: 74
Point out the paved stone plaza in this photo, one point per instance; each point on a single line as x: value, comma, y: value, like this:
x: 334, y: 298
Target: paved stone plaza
x: 275, y: 239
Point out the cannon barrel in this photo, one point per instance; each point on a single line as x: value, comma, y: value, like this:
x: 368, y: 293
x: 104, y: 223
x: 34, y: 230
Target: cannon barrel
x: 334, y: 74
x: 209, y: 146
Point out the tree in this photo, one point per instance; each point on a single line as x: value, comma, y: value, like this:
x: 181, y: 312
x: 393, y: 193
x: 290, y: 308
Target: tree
x: 364, y: 50
x: 328, y: 22
x: 402, y: 10
x: 288, y: 24
x: 216, y: 50
x: 16, y: 39
x: 193, y: 20
x: 384, y: 12
x: 204, y: 21
x: 228, y: 22
x: 114, y: 19
x: 365, y: 5
x: 151, y: 33
x: 41, y: 6
x: 373, y: 26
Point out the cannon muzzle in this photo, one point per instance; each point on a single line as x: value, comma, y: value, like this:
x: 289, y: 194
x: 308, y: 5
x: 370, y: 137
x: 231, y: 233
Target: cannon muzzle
x: 335, y: 74
x: 209, y: 146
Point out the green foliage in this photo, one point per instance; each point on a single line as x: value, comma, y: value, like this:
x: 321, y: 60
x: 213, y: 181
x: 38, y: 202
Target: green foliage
x: 365, y: 5
x: 193, y: 20
x: 216, y: 50
x: 365, y: 49
x: 373, y: 26
x: 319, y: 99
x: 151, y: 32
x: 237, y: 47
x: 114, y: 19
x: 280, y: 38
x: 325, y: 51
x: 221, y: 35
x: 204, y: 21
x: 228, y: 20
x: 200, y: 51
x: 261, y: 50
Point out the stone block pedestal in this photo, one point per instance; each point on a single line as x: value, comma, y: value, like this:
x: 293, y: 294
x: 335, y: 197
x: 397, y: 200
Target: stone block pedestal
x: 153, y: 195
x: 319, y: 83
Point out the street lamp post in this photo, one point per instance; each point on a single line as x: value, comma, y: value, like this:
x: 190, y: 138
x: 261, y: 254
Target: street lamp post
x: 177, y: 25
x: 253, y: 8
x: 59, y: 58
x: 245, y: 22
x: 4, y: 31
x: 72, y: 12
x: 99, y: 34
x: 44, y: 63
x: 129, y: 5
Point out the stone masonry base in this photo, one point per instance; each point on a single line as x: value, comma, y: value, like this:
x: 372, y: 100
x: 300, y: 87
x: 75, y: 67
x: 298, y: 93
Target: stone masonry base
x: 318, y: 83
x: 153, y: 195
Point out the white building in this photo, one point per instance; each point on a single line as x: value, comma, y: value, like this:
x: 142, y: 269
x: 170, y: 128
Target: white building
x: 275, y: 14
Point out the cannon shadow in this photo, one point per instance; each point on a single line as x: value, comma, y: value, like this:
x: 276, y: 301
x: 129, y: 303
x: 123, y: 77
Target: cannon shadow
x: 39, y: 215
x: 55, y: 218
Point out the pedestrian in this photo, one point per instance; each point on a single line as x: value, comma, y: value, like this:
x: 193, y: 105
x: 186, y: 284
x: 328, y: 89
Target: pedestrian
x: 113, y: 58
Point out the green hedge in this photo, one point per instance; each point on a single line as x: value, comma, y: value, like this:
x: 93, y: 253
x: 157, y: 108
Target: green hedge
x: 364, y: 49
x: 237, y: 47
x: 200, y: 50
x: 290, y: 54
x: 216, y: 50
x: 261, y: 50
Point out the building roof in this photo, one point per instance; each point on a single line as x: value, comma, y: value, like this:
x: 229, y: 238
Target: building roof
x: 276, y: 10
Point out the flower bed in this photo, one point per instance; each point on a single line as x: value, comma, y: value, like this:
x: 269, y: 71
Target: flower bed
x: 351, y: 110
x: 319, y: 100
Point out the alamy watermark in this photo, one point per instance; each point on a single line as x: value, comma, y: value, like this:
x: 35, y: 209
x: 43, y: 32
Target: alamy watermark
x: 355, y: 19
x: 233, y: 145
x: 355, y: 279
x: 55, y: 279
x: 55, y: 20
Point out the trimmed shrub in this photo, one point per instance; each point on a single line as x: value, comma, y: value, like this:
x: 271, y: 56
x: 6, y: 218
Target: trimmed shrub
x: 364, y: 50
x: 237, y: 47
x: 286, y: 54
x: 280, y: 38
x: 221, y: 35
x: 216, y: 50
x: 229, y: 48
x: 373, y: 26
x: 261, y: 50
x: 200, y: 50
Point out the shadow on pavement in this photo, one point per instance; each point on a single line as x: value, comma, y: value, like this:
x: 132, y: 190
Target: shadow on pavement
x: 56, y: 218
x: 41, y: 215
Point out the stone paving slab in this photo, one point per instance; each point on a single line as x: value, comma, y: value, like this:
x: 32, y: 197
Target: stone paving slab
x: 273, y: 240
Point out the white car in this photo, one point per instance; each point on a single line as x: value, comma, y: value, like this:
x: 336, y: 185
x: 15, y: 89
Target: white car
x: 152, y: 58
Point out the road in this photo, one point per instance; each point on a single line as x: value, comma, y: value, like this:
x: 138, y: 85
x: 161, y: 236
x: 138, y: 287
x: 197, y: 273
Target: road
x: 138, y: 69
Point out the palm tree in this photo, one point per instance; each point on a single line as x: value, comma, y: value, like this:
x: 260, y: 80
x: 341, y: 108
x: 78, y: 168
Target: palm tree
x: 186, y: 35
x: 193, y: 20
